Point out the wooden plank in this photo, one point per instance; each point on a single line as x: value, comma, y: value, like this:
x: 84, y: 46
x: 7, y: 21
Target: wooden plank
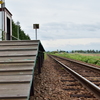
x: 16, y: 69
x: 15, y: 78
x: 8, y: 58
x: 16, y: 65
x: 14, y: 90
x: 16, y: 73
x: 17, y: 61
x: 16, y: 47
x: 18, y: 52
x: 15, y: 99
x: 19, y: 55
x: 20, y: 42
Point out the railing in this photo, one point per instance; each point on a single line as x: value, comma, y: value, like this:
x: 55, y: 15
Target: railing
x: 3, y: 33
x: 14, y: 38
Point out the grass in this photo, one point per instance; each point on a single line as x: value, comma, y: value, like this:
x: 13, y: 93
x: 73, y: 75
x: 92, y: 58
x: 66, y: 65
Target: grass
x: 85, y: 58
x: 45, y: 56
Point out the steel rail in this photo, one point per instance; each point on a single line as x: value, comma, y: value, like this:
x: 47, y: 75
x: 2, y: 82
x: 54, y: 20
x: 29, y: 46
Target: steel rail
x: 86, y: 65
x: 86, y: 83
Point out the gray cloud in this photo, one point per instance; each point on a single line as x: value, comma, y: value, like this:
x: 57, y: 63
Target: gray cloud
x: 61, y: 19
x: 92, y: 46
x: 69, y: 30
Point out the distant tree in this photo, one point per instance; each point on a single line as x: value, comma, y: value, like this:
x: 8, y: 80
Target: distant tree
x: 67, y: 52
x: 22, y: 35
x: 85, y: 51
x: 97, y: 51
x: 54, y: 52
x: 14, y: 29
x: 73, y: 51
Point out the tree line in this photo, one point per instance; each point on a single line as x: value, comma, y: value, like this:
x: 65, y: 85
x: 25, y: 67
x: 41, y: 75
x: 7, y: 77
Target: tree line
x: 75, y: 51
x: 22, y: 34
x: 85, y: 51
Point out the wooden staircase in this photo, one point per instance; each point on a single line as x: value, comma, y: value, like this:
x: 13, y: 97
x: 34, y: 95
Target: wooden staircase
x: 17, y: 63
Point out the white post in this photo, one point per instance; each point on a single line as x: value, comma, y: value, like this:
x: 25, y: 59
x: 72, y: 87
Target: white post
x: 36, y: 26
x: 18, y: 29
x: 2, y: 19
x: 36, y: 33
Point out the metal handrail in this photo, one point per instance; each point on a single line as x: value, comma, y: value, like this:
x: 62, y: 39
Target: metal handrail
x: 6, y: 33
x: 15, y: 37
x: 2, y: 35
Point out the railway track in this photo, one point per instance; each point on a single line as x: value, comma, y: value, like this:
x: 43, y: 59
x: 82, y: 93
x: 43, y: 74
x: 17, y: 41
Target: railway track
x: 82, y: 82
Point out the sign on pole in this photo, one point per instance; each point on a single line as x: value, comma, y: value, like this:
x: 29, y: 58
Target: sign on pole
x: 1, y: 2
x: 36, y: 26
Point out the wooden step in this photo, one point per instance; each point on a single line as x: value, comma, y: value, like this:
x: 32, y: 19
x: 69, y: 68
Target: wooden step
x: 14, y: 90
x: 15, y: 98
x: 18, y: 65
x: 3, y: 53
x: 18, y: 42
x: 27, y: 72
x: 16, y: 69
x: 19, y: 55
x: 17, y: 61
x: 16, y: 57
x: 16, y: 78
x: 18, y: 46
x: 18, y: 49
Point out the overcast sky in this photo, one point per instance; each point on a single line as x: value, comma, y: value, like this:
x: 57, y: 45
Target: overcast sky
x: 64, y: 24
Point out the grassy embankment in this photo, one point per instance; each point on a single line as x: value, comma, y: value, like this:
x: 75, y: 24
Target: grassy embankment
x: 88, y: 58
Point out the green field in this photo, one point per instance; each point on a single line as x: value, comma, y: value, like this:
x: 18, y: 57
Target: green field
x: 88, y: 58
